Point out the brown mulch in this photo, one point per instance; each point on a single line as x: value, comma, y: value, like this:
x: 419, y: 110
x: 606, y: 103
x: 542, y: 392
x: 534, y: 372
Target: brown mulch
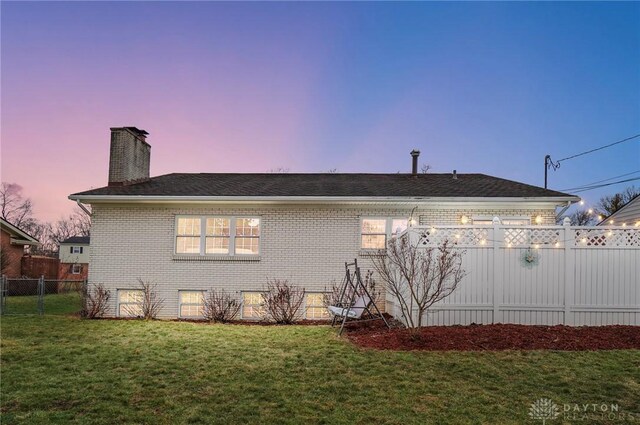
x: 498, y: 337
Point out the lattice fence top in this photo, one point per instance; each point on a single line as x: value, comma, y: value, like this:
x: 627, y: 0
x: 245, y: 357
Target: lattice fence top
x: 607, y: 237
x: 466, y: 236
x: 518, y: 237
x: 528, y: 236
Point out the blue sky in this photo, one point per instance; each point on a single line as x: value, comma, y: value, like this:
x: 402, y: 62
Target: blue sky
x: 477, y: 87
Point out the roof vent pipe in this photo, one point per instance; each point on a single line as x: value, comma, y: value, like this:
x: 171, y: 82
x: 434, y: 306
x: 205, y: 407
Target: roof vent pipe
x: 455, y: 175
x: 414, y: 164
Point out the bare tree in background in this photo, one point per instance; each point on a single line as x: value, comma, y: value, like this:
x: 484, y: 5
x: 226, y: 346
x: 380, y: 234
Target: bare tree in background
x: 425, y: 168
x: 418, y: 277
x: 14, y: 207
x: 279, y: 170
x: 582, y: 218
x: 611, y: 203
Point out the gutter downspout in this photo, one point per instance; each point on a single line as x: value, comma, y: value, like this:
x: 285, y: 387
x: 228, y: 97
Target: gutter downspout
x: 562, y: 211
x: 83, y: 208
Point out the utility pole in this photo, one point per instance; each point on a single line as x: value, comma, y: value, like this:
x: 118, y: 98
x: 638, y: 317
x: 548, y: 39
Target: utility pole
x: 547, y: 159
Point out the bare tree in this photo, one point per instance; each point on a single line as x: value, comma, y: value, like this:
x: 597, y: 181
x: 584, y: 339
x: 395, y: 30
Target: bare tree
x: 14, y: 207
x: 279, y: 170
x: 332, y: 170
x: 424, y: 169
x: 219, y: 306
x: 94, y: 302
x: 582, y: 218
x: 150, y: 302
x: 611, y: 203
x: 282, y: 301
x: 78, y: 223
x: 419, y: 277
x: 332, y: 296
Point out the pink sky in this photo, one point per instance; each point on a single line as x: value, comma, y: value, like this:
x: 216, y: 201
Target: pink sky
x: 226, y: 87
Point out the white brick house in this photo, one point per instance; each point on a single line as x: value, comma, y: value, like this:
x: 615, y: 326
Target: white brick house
x: 192, y: 232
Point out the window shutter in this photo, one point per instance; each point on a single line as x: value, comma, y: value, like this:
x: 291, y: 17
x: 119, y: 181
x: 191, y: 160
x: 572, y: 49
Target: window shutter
x: 81, y: 248
x: 71, y: 249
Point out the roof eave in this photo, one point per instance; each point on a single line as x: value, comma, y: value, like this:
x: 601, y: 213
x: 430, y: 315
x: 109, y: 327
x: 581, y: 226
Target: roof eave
x: 312, y: 199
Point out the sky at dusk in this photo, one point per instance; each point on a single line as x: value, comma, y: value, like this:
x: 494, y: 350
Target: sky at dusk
x: 248, y: 87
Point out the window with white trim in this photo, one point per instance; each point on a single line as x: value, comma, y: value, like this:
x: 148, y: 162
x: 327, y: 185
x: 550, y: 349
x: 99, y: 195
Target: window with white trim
x: 76, y: 268
x: 217, y: 235
x: 76, y: 250
x: 252, y: 305
x: 314, y: 306
x: 191, y: 304
x: 376, y: 231
x: 130, y: 302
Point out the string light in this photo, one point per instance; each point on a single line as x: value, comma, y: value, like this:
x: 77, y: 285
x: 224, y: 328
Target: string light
x: 583, y: 240
x: 537, y: 246
x: 464, y: 219
x: 557, y: 244
x: 539, y: 219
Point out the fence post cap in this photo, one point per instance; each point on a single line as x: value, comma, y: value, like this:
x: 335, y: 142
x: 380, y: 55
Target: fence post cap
x: 566, y: 221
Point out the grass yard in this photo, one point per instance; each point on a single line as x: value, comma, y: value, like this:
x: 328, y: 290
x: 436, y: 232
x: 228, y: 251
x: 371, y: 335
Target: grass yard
x: 60, y: 369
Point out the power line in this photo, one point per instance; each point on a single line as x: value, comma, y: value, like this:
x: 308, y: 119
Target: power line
x: 605, y: 184
x: 582, y: 186
x: 600, y: 148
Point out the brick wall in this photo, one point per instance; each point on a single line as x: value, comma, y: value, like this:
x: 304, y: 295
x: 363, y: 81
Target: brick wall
x: 12, y: 254
x: 129, y: 157
x: 307, y: 245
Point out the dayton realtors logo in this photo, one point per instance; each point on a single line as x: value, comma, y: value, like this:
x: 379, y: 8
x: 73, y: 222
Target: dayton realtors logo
x: 545, y: 409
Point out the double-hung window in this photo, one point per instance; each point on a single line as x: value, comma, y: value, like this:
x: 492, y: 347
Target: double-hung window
x: 314, y: 306
x: 76, y: 250
x: 217, y: 235
x: 252, y: 305
x: 130, y: 302
x: 376, y: 231
x: 191, y: 304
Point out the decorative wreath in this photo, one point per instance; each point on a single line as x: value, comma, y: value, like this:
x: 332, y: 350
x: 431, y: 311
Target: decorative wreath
x: 530, y: 258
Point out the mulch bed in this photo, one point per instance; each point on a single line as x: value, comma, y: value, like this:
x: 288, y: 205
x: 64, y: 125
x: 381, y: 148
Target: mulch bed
x: 498, y: 337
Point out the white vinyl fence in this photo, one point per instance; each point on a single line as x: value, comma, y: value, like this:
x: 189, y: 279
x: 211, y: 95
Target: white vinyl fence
x: 538, y: 275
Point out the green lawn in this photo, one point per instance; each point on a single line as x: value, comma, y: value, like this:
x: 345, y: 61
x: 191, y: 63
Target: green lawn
x: 60, y: 369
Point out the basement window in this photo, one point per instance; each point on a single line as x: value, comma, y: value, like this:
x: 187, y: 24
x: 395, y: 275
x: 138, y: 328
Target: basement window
x: 252, y: 305
x: 191, y: 304
x: 76, y: 269
x: 210, y: 235
x: 130, y: 302
x: 314, y: 306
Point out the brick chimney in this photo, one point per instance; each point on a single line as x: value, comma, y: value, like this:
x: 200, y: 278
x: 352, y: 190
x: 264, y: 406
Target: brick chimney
x: 129, y: 156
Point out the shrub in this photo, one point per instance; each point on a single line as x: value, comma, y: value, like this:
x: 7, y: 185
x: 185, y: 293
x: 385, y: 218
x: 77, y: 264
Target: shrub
x: 150, y: 303
x: 332, y: 296
x: 94, y: 302
x: 220, y: 306
x: 282, y: 301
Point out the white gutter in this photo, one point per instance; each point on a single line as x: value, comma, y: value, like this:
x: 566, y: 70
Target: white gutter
x: 560, y: 200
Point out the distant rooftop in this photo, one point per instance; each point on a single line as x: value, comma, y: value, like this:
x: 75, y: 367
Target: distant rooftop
x: 81, y: 240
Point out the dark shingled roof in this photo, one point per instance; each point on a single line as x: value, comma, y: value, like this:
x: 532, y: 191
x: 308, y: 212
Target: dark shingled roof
x: 77, y: 239
x: 328, y: 184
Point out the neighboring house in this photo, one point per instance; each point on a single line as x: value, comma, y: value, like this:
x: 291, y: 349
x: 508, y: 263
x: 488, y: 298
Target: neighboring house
x: 189, y: 233
x: 628, y: 215
x: 14, y: 243
x: 74, y: 258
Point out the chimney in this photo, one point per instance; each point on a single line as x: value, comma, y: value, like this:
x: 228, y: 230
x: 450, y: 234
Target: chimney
x: 414, y: 165
x: 129, y: 156
x: 455, y: 175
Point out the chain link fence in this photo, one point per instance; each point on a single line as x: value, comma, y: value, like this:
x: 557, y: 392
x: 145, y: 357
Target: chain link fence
x: 29, y: 296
